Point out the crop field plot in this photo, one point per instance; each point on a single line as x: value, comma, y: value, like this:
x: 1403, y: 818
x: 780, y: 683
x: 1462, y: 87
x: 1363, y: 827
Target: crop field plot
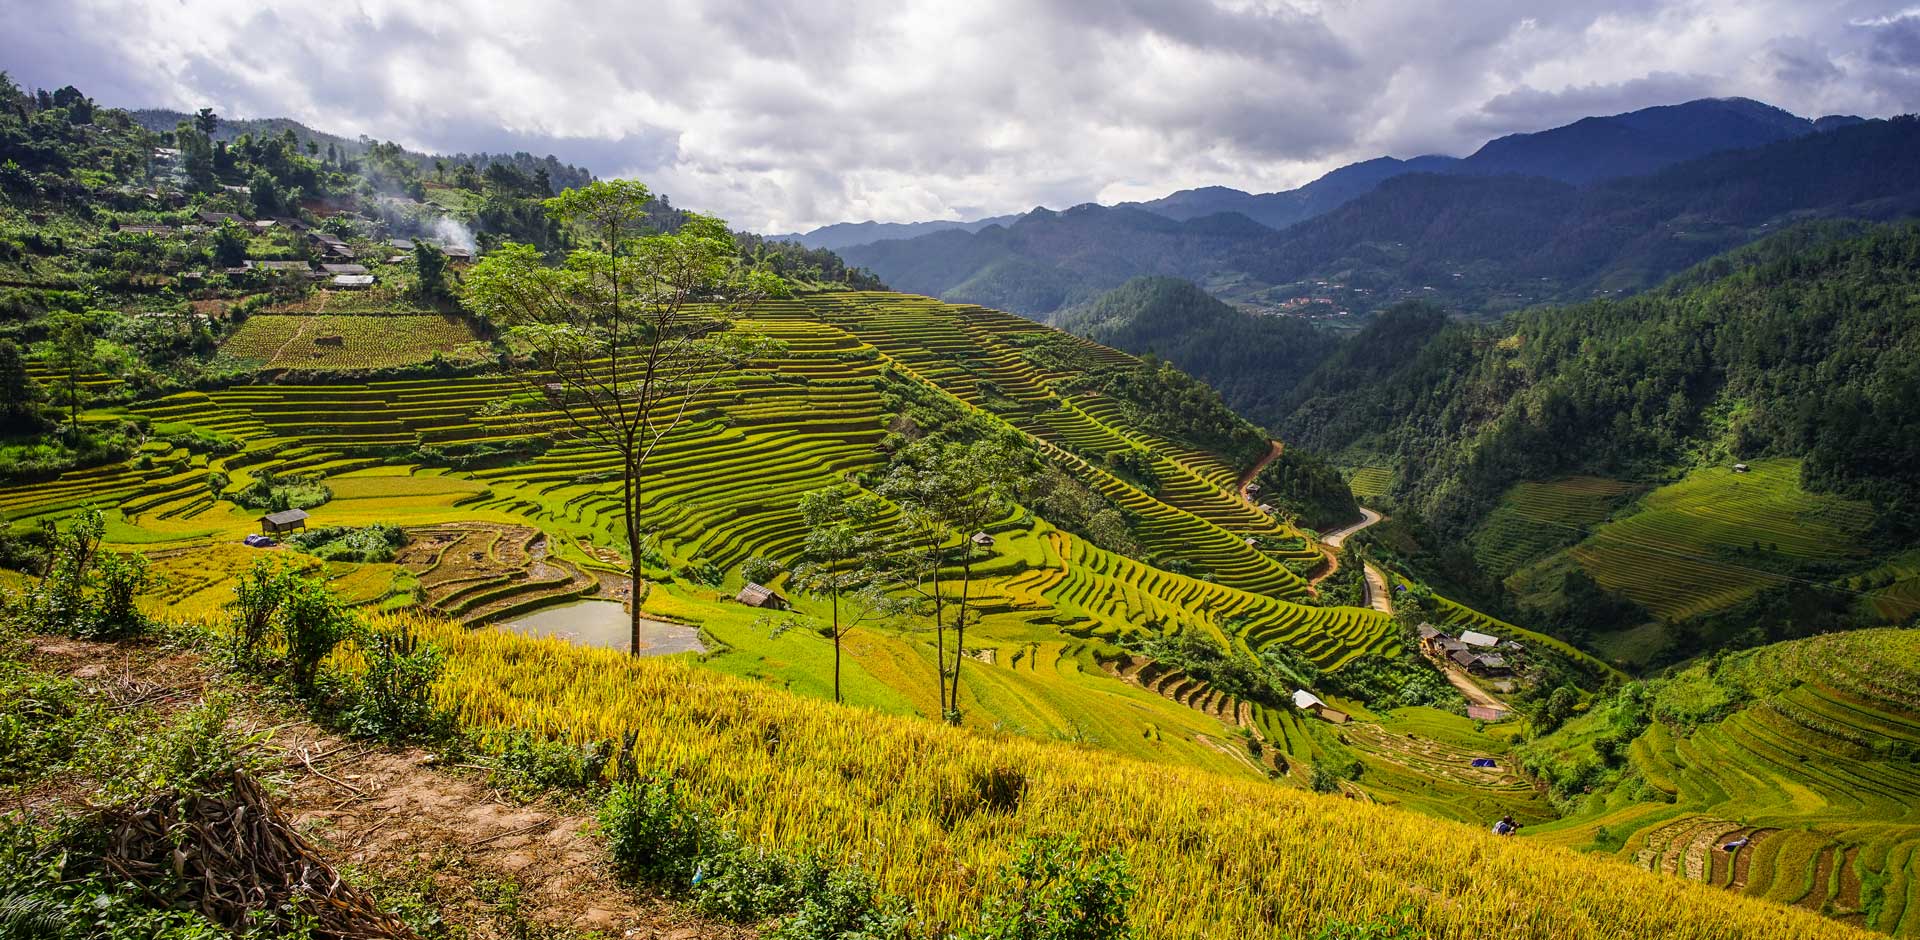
x: 1817, y: 771
x: 343, y: 341
x: 1369, y: 482
x: 1535, y: 518
x: 1717, y: 536
x: 542, y: 523
x: 1216, y: 861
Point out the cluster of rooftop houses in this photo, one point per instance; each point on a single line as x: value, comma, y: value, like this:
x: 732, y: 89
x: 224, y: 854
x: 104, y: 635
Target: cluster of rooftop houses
x: 337, y: 263
x: 1478, y: 653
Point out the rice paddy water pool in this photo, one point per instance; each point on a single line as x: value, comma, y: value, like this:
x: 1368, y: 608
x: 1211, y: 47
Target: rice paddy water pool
x: 605, y: 624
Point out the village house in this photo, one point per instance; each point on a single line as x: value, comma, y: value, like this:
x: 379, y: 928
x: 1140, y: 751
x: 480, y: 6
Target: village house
x: 1476, y: 638
x: 344, y: 268
x: 352, y: 281
x: 286, y: 520
x: 457, y: 253
x: 1308, y: 702
x: 757, y: 595
x: 401, y: 244
x: 983, y: 539
x: 215, y: 219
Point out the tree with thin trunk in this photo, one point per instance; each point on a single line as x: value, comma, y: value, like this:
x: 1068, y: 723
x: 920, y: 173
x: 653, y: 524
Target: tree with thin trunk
x: 949, y: 494
x: 70, y: 346
x: 846, y: 561
x: 627, y: 334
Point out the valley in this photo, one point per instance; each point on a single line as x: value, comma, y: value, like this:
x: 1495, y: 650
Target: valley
x: 1019, y: 579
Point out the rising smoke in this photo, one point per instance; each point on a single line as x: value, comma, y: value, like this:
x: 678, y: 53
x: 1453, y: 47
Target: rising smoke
x: 452, y: 233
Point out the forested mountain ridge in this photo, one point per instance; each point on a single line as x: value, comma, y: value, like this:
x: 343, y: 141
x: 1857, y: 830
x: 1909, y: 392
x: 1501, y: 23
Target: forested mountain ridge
x: 1805, y: 345
x: 1587, y: 150
x: 560, y: 175
x: 1485, y: 244
x: 1248, y: 358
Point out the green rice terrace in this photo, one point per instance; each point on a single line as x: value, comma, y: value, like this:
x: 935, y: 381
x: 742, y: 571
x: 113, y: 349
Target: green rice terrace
x: 1787, y: 772
x: 503, y: 516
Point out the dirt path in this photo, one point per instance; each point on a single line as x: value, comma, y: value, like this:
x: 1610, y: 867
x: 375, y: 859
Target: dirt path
x: 1476, y: 695
x: 1331, y: 542
x: 1338, y: 537
x: 1379, y: 597
x: 1246, y: 479
x: 493, y: 866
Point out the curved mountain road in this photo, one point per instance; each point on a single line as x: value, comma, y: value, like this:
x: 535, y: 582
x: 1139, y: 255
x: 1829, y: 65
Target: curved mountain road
x: 1338, y: 537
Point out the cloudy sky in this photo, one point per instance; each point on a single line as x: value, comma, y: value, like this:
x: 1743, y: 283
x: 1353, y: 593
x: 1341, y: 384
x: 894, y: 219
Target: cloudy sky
x: 783, y: 115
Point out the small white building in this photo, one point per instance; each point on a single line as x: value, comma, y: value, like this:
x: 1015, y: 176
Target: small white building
x: 1476, y: 638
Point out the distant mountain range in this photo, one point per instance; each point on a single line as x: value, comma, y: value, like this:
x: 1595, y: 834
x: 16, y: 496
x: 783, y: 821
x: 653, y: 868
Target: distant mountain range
x: 1585, y: 151
x: 1604, y: 205
x: 842, y: 234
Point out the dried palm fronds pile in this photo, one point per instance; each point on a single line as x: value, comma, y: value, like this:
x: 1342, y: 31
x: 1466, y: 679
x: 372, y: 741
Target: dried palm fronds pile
x: 234, y: 858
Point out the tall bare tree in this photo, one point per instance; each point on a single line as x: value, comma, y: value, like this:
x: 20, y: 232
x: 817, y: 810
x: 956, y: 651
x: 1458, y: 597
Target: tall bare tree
x: 627, y: 333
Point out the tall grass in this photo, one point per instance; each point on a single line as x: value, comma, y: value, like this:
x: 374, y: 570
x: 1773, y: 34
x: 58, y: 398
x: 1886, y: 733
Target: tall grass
x: 933, y: 811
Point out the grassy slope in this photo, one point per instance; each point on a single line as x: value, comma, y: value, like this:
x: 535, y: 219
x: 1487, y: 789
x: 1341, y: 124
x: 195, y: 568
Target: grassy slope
x: 1678, y: 550
x: 1214, y: 857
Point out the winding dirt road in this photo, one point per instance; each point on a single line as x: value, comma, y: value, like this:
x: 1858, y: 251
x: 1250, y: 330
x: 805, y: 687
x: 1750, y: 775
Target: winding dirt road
x: 1247, y: 478
x: 1338, y: 537
x: 1378, y: 596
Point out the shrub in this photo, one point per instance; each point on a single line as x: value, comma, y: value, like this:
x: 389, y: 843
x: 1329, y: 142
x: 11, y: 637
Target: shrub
x: 394, y: 699
x: 760, y: 570
x: 88, y: 592
x: 653, y: 833
x: 841, y: 904
x: 533, y: 763
x: 313, y: 621
x: 1053, y: 890
x: 375, y: 543
x: 258, y: 595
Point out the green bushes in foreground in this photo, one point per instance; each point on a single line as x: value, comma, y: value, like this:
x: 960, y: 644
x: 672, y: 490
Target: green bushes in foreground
x: 1053, y: 889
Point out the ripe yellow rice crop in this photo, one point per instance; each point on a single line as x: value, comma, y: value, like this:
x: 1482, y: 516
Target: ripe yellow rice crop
x: 1213, y: 857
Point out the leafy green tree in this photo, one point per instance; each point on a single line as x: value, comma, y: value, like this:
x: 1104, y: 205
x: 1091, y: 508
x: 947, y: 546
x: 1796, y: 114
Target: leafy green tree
x: 20, y: 395
x: 625, y: 335
x: 844, y: 560
x: 430, y: 265
x: 229, y: 245
x: 70, y: 347
x: 949, y: 493
x: 265, y: 194
x: 206, y: 122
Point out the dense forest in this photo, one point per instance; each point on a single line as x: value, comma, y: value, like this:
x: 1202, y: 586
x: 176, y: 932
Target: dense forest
x: 558, y: 174
x: 1246, y: 357
x: 1806, y: 345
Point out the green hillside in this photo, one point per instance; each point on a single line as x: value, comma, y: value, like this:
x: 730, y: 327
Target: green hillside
x: 1809, y: 749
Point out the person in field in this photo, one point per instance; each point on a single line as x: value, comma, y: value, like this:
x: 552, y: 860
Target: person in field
x: 1506, y: 826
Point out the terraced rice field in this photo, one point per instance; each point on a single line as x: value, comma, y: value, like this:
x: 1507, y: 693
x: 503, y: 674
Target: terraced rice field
x: 342, y: 341
x: 1819, y: 771
x: 1717, y: 536
x: 1370, y: 482
x: 727, y: 490
x: 1212, y: 857
x: 1534, y: 518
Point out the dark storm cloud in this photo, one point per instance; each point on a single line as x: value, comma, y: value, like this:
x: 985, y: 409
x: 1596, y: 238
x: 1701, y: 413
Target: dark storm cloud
x: 780, y: 114
x: 1896, y: 40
